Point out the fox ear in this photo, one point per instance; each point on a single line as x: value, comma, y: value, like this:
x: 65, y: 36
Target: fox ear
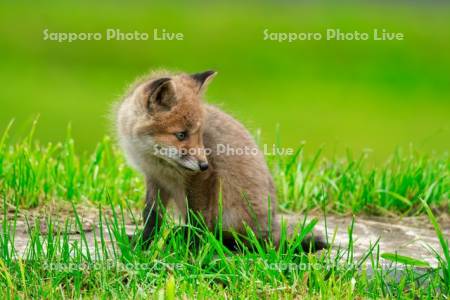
x: 203, y: 78
x: 162, y: 95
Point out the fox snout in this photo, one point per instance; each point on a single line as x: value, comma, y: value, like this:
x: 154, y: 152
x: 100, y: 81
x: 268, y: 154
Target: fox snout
x: 198, y: 158
x: 202, y: 160
x: 203, y: 165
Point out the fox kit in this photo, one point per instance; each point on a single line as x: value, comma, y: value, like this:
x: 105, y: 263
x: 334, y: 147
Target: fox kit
x: 180, y: 144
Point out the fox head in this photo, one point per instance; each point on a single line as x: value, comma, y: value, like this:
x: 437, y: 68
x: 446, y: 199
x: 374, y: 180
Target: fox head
x: 162, y: 117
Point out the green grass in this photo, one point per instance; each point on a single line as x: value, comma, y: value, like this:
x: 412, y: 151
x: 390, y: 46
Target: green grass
x: 54, y: 267
x: 375, y: 98
x: 33, y: 174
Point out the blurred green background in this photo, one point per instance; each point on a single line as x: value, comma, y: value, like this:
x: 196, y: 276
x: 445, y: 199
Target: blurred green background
x: 341, y: 94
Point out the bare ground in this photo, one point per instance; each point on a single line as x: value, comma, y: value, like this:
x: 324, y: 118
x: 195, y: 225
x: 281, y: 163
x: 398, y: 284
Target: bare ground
x: 411, y: 236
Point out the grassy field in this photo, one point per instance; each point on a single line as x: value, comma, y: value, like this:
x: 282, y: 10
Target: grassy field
x: 200, y: 267
x: 369, y: 122
x: 34, y: 174
x: 341, y: 94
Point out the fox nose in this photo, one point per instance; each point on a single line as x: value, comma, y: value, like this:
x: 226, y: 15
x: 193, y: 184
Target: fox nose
x: 203, y: 165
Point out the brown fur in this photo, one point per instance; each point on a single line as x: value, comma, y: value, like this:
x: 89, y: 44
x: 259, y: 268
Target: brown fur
x: 247, y: 188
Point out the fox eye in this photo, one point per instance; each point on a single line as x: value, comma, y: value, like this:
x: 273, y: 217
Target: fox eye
x: 181, y: 136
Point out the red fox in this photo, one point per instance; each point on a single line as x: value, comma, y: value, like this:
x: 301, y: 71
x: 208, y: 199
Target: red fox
x: 177, y: 141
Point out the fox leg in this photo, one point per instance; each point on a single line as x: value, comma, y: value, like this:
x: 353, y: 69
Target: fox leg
x: 152, y: 214
x: 180, y: 200
x: 312, y: 242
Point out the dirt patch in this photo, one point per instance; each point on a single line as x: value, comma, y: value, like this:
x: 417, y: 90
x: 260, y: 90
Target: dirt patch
x: 411, y: 236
